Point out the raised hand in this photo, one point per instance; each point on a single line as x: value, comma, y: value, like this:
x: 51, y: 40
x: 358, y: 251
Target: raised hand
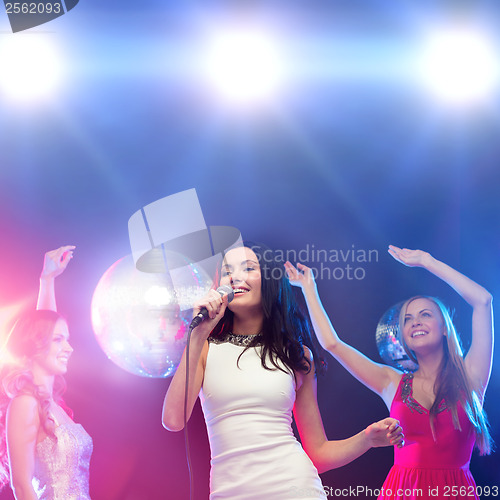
x: 410, y: 258
x: 56, y: 261
x: 386, y: 432
x: 301, y: 276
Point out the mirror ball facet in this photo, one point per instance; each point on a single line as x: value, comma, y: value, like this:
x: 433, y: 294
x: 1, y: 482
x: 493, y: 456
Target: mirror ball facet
x: 138, y: 319
x: 389, y: 346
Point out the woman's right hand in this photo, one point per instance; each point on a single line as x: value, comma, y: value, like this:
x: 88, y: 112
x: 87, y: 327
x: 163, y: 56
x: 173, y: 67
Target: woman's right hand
x: 56, y: 261
x: 301, y: 276
x: 216, y: 307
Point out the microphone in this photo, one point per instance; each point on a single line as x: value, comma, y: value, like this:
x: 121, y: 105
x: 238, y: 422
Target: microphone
x: 203, y: 314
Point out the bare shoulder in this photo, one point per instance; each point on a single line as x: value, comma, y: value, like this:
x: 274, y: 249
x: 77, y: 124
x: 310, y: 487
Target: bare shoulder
x: 393, y: 374
x: 301, y: 376
x: 203, y: 356
x: 23, y: 403
x: 23, y: 410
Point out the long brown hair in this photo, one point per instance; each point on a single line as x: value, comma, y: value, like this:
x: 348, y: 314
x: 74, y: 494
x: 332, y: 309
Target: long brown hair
x: 452, y: 383
x: 286, y: 329
x: 31, y: 335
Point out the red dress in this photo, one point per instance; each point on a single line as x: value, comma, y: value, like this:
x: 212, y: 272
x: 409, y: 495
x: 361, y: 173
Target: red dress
x: 424, y: 468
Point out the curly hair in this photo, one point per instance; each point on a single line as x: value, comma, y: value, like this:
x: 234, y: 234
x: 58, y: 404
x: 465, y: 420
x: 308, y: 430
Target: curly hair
x: 31, y: 335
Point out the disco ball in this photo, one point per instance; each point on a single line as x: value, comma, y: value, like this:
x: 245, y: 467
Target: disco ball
x: 141, y: 319
x: 389, y: 346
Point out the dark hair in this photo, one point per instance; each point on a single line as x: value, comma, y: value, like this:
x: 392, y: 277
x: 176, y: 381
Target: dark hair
x: 452, y: 383
x: 31, y: 335
x: 285, y: 328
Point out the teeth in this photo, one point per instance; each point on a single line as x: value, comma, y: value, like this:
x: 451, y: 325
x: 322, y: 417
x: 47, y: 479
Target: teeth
x: 418, y: 334
x: 240, y: 290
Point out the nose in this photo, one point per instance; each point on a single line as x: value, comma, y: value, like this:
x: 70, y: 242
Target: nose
x: 237, y: 277
x: 68, y: 347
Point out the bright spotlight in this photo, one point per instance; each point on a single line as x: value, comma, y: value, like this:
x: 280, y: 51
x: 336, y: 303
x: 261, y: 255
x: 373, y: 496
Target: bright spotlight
x: 459, y: 65
x: 30, y: 66
x: 243, y: 65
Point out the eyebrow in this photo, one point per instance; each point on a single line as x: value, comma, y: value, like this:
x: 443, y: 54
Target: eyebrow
x: 241, y: 263
x: 426, y: 309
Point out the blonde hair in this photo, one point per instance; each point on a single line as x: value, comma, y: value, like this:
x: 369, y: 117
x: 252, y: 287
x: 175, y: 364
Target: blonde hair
x: 452, y: 383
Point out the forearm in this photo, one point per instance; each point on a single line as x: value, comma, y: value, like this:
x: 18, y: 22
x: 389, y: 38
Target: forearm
x: 334, y: 454
x: 23, y: 491
x: 473, y: 293
x: 173, y: 405
x: 46, y: 294
x: 323, y: 328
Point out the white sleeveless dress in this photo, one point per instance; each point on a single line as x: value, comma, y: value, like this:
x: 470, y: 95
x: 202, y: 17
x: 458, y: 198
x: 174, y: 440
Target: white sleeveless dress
x: 62, y: 464
x: 248, y: 412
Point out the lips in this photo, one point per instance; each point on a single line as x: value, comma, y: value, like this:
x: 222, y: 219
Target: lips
x: 418, y: 333
x: 239, y: 291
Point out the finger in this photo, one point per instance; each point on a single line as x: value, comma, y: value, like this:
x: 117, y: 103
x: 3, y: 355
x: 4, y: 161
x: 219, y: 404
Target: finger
x: 66, y: 257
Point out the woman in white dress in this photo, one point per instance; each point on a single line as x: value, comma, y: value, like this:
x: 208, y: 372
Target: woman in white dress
x: 254, y: 363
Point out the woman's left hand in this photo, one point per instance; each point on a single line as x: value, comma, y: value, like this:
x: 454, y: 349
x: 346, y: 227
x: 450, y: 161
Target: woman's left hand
x: 385, y: 432
x: 410, y: 258
x: 300, y: 276
x: 56, y: 261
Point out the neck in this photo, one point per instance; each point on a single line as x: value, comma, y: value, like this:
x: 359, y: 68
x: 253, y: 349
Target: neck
x: 247, y: 325
x: 429, y: 364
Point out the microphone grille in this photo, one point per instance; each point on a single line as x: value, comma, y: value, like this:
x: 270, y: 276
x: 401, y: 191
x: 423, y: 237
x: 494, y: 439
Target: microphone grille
x: 226, y: 290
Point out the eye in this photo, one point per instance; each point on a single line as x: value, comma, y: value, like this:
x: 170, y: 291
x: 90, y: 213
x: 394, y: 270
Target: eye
x: 407, y: 318
x: 249, y: 268
x: 426, y: 314
x: 225, y: 272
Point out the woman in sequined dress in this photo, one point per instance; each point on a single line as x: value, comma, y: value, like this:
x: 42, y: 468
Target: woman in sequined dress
x: 44, y: 454
x: 253, y: 363
x: 440, y: 405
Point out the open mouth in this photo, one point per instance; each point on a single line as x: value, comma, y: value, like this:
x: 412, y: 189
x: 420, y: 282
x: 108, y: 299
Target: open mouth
x: 418, y: 333
x: 240, y: 291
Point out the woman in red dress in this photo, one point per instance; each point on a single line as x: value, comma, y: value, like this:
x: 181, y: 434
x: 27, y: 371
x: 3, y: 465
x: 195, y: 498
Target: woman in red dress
x: 439, y: 405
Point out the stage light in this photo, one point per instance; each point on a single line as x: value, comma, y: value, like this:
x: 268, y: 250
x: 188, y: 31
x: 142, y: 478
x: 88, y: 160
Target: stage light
x: 30, y: 66
x: 459, y: 65
x: 243, y: 65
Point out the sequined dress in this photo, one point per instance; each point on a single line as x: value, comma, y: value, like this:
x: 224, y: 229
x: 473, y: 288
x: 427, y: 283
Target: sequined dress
x: 62, y: 464
x: 424, y: 468
x: 248, y: 412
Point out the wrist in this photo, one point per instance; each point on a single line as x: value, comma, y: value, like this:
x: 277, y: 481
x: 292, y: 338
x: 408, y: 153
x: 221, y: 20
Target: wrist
x: 46, y: 278
x: 368, y: 437
x: 428, y: 261
x: 309, y: 289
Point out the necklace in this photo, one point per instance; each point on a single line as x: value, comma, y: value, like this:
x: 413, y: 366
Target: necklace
x: 240, y: 340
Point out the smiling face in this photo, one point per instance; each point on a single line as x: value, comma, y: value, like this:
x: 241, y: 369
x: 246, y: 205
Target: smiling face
x: 423, y: 325
x: 241, y: 270
x: 54, y: 360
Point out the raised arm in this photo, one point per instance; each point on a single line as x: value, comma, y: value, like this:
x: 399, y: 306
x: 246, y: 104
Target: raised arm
x: 23, y: 422
x: 55, y: 262
x: 173, y: 404
x: 381, y: 379
x: 480, y: 356
x: 327, y: 454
